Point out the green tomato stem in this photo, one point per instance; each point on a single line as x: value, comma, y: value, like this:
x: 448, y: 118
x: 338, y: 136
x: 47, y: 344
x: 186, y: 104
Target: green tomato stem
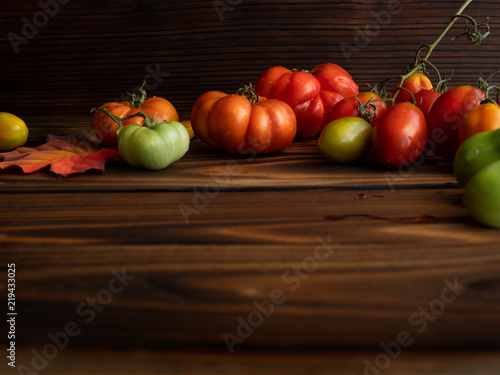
x: 249, y: 92
x: 430, y: 47
x: 148, y: 122
x: 138, y: 98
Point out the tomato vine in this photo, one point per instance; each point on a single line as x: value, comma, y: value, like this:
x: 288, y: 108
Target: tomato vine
x: 472, y: 32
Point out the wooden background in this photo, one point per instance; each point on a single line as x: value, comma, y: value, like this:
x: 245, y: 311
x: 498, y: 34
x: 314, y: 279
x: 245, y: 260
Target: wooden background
x: 93, y: 51
x: 400, y: 239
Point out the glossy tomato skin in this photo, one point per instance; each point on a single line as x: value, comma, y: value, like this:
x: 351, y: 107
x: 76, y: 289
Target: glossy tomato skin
x: 105, y: 128
x: 232, y: 124
x: 425, y: 100
x: 345, y: 140
x: 310, y: 95
x: 347, y: 107
x: 478, y: 119
x: 400, y: 136
x: 13, y: 132
x: 445, y: 117
x: 153, y: 148
x: 482, y: 195
x: 475, y: 153
x: 414, y: 83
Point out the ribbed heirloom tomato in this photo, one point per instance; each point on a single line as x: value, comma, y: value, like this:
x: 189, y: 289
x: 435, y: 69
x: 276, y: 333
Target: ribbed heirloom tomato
x: 310, y: 94
x: 243, y: 123
x: 105, y: 128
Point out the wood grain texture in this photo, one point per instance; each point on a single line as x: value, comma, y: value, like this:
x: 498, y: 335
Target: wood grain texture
x: 391, y: 254
x: 205, y: 169
x: 212, y: 235
x: 92, y: 52
x: 303, y: 363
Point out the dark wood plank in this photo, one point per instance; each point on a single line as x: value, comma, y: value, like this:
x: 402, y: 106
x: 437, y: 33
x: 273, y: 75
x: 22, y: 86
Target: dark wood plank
x: 303, y: 362
x: 204, y: 168
x: 391, y: 254
x: 90, y: 53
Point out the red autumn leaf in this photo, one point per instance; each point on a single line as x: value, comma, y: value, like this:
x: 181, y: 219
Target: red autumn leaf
x: 65, y: 155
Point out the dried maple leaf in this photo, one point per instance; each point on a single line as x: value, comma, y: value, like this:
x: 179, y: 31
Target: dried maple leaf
x: 65, y: 155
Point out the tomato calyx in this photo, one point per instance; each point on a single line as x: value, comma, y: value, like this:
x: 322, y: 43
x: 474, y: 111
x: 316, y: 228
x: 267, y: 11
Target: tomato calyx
x: 137, y: 99
x: 249, y: 92
x: 483, y: 85
x: 367, y: 111
x: 472, y: 32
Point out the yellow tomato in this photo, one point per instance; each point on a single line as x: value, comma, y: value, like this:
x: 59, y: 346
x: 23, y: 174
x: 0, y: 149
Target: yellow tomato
x: 189, y: 128
x: 13, y: 132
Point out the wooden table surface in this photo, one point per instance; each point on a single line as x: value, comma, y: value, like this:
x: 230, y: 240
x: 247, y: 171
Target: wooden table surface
x: 220, y: 264
x: 260, y: 258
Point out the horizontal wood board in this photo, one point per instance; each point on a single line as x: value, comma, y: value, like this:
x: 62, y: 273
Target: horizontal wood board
x: 391, y: 254
x: 300, y: 362
x: 92, y: 52
x: 213, y: 234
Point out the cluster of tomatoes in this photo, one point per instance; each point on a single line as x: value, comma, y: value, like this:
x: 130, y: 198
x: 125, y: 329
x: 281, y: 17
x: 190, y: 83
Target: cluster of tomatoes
x: 413, y: 119
x: 324, y: 104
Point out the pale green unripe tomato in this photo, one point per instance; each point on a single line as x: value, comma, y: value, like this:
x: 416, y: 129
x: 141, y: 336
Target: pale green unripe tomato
x: 345, y: 140
x: 153, y: 148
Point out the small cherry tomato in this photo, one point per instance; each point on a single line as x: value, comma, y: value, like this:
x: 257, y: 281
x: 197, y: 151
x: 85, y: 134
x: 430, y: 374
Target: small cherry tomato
x: 13, y: 132
x: 399, y: 137
x: 349, y: 107
x: 345, y: 140
x: 481, y: 118
x: 445, y: 117
x: 414, y: 83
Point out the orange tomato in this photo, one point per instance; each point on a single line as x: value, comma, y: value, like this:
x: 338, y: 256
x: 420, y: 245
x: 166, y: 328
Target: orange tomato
x: 414, y: 83
x: 105, y: 128
x: 236, y: 124
x: 481, y: 118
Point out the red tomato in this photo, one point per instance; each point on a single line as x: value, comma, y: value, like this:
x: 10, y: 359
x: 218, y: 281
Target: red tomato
x: 425, y: 100
x: 478, y: 119
x: 445, y: 117
x: 414, y: 83
x: 105, y: 128
x: 234, y: 124
x: 310, y: 95
x: 348, y: 107
x: 399, y: 137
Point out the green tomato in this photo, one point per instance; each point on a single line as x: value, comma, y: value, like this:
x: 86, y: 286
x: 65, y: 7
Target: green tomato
x: 153, y: 148
x: 345, y: 140
x: 476, y: 153
x: 482, y: 195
